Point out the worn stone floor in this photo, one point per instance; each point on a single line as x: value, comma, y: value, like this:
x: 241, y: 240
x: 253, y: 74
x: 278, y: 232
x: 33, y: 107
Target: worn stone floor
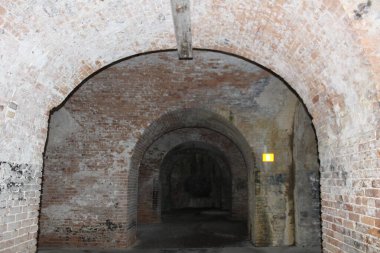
x: 202, y: 250
x: 193, y: 231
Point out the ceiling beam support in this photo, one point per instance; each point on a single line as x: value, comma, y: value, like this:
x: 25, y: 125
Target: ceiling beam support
x: 182, y: 26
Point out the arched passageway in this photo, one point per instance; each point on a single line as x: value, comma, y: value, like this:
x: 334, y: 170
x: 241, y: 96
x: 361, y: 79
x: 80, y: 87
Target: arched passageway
x: 102, y: 152
x: 195, y: 175
x: 326, y: 50
x: 168, y: 135
x: 153, y: 173
x: 192, y: 196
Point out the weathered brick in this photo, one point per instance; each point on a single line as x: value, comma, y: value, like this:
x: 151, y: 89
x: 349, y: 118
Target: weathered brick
x: 368, y: 220
x: 328, y: 54
x: 21, y: 216
x: 376, y: 183
x: 353, y: 216
x: 201, y: 87
x: 374, y: 193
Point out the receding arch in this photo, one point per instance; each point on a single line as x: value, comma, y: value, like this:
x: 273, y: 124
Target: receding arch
x: 187, y: 118
x: 184, y: 120
x: 150, y: 169
x: 221, y: 174
x: 258, y: 81
x: 267, y: 32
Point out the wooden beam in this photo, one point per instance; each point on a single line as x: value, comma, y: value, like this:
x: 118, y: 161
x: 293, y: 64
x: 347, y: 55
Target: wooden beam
x: 182, y: 26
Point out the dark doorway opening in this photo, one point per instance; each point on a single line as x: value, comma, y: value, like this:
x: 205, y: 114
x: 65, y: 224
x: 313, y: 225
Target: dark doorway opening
x: 194, y: 194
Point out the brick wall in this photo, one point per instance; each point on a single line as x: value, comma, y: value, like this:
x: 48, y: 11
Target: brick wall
x: 350, y: 205
x: 324, y: 49
x: 19, y: 204
x: 93, y: 154
x: 306, y: 181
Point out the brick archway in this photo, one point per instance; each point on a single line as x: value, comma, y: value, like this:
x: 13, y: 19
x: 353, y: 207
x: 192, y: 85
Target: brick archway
x: 269, y: 34
x: 314, y: 45
x: 223, y: 150
x: 186, y: 123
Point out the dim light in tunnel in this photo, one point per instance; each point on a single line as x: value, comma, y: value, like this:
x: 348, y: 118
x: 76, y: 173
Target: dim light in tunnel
x: 268, y: 157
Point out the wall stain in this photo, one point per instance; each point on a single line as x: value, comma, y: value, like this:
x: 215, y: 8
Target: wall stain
x: 362, y: 9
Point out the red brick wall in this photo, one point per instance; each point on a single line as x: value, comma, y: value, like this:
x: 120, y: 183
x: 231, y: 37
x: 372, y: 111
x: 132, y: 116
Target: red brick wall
x: 89, y: 159
x: 350, y: 195
x: 326, y: 51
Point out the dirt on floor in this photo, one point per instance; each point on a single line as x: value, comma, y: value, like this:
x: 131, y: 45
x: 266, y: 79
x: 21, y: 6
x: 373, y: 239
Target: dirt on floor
x: 193, y: 231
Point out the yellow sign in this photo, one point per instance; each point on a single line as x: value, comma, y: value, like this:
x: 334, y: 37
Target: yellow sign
x: 268, y: 157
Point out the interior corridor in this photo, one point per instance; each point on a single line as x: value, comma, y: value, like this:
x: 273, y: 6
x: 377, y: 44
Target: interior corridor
x: 154, y: 167
x: 190, y: 126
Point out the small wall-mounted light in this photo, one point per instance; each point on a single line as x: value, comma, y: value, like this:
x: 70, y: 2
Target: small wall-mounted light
x: 268, y: 157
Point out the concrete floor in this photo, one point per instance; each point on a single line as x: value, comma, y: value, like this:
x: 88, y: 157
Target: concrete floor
x: 203, y: 250
x: 193, y: 231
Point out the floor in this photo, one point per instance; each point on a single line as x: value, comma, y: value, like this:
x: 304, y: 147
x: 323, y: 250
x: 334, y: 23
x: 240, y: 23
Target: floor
x: 193, y: 231
x: 203, y: 250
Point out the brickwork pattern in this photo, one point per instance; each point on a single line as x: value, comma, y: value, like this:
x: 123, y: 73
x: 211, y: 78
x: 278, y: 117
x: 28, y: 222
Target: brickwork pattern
x: 326, y: 51
x: 350, y: 196
x: 19, y: 204
x: 93, y: 142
